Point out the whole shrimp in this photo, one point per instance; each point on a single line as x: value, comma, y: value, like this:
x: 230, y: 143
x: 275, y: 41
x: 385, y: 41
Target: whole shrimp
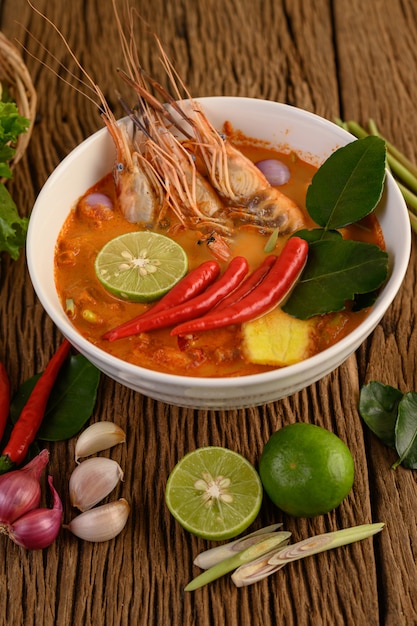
x: 139, y: 191
x: 192, y: 199
x: 238, y: 181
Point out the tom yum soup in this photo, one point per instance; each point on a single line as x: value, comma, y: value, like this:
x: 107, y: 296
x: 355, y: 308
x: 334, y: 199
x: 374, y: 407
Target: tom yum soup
x: 218, y: 256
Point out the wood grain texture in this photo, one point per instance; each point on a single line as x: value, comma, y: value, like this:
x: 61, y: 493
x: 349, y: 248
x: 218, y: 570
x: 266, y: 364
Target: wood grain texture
x: 347, y: 58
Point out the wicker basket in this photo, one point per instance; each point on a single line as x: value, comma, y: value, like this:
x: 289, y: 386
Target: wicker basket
x: 14, y: 74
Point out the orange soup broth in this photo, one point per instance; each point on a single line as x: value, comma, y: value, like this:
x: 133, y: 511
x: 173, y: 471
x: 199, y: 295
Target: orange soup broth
x: 211, y: 353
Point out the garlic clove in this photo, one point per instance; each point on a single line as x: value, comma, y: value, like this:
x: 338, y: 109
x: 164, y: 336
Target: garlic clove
x: 98, y: 437
x: 101, y: 523
x: 38, y: 528
x: 92, y: 481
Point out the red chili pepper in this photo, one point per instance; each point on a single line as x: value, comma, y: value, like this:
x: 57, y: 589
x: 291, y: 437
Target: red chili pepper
x: 269, y: 293
x: 248, y: 284
x: 188, y: 287
x: 231, y: 278
x: 4, y: 398
x: 30, y: 419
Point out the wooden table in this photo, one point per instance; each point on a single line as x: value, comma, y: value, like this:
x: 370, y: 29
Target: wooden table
x: 350, y: 59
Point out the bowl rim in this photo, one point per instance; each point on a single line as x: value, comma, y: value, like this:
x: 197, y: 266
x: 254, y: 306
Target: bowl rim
x: 347, y: 344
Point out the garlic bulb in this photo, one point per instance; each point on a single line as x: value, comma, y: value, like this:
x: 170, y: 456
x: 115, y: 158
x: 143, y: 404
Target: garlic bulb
x: 98, y: 437
x: 101, y: 523
x: 92, y: 481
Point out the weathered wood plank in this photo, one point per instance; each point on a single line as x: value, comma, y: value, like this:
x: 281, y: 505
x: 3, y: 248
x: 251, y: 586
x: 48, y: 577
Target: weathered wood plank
x: 344, y: 58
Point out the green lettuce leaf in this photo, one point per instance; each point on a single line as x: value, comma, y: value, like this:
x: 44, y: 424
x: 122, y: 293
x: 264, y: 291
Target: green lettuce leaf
x: 13, y: 228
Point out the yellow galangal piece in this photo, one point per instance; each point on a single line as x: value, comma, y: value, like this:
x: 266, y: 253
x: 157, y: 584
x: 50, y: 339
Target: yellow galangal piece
x: 278, y: 339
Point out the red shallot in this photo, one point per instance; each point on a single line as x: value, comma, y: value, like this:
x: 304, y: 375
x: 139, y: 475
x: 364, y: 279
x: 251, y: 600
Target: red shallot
x: 276, y: 172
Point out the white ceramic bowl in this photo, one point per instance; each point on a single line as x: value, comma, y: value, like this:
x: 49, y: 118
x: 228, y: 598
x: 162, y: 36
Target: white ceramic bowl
x: 281, y: 125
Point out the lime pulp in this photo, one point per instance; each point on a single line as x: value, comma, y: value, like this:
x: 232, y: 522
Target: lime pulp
x: 140, y: 266
x: 214, y: 493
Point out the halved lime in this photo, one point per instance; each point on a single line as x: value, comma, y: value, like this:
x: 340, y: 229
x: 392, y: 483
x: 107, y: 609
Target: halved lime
x: 140, y: 266
x: 214, y: 493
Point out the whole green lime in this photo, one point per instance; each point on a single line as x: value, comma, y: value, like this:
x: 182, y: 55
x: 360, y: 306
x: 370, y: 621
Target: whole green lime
x: 306, y: 470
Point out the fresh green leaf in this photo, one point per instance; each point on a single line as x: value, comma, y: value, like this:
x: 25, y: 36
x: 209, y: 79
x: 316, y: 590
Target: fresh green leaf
x: 364, y: 300
x: 12, y: 124
x: 336, y: 271
x: 71, y: 402
x: 349, y: 184
x: 378, y: 407
x: 406, y: 431
x: 318, y: 234
x: 13, y: 228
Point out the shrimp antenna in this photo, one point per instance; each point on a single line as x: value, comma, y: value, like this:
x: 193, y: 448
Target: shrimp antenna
x: 88, y: 83
x: 155, y: 103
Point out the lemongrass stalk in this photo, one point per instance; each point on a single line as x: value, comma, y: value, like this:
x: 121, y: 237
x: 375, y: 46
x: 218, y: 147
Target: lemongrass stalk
x: 409, y: 196
x: 402, y: 172
x: 250, y: 573
x: 327, y: 541
x: 256, y: 570
x: 413, y: 221
x: 211, y: 557
x: 245, y: 556
x: 356, y: 129
x: 396, y: 162
x: 340, y: 123
x: 373, y: 129
x: 397, y: 154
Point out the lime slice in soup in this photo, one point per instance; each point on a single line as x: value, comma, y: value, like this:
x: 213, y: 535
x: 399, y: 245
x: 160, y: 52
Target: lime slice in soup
x: 140, y: 266
x: 214, y: 493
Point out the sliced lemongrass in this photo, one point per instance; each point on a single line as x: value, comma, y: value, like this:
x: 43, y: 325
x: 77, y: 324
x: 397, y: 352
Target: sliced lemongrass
x: 272, y: 241
x: 245, y: 556
x: 69, y: 306
x: 255, y: 571
x: 327, y: 541
x: 98, y: 437
x: 211, y: 557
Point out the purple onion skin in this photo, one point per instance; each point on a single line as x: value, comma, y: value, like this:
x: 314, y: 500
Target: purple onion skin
x: 20, y: 490
x: 38, y: 528
x: 276, y: 172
